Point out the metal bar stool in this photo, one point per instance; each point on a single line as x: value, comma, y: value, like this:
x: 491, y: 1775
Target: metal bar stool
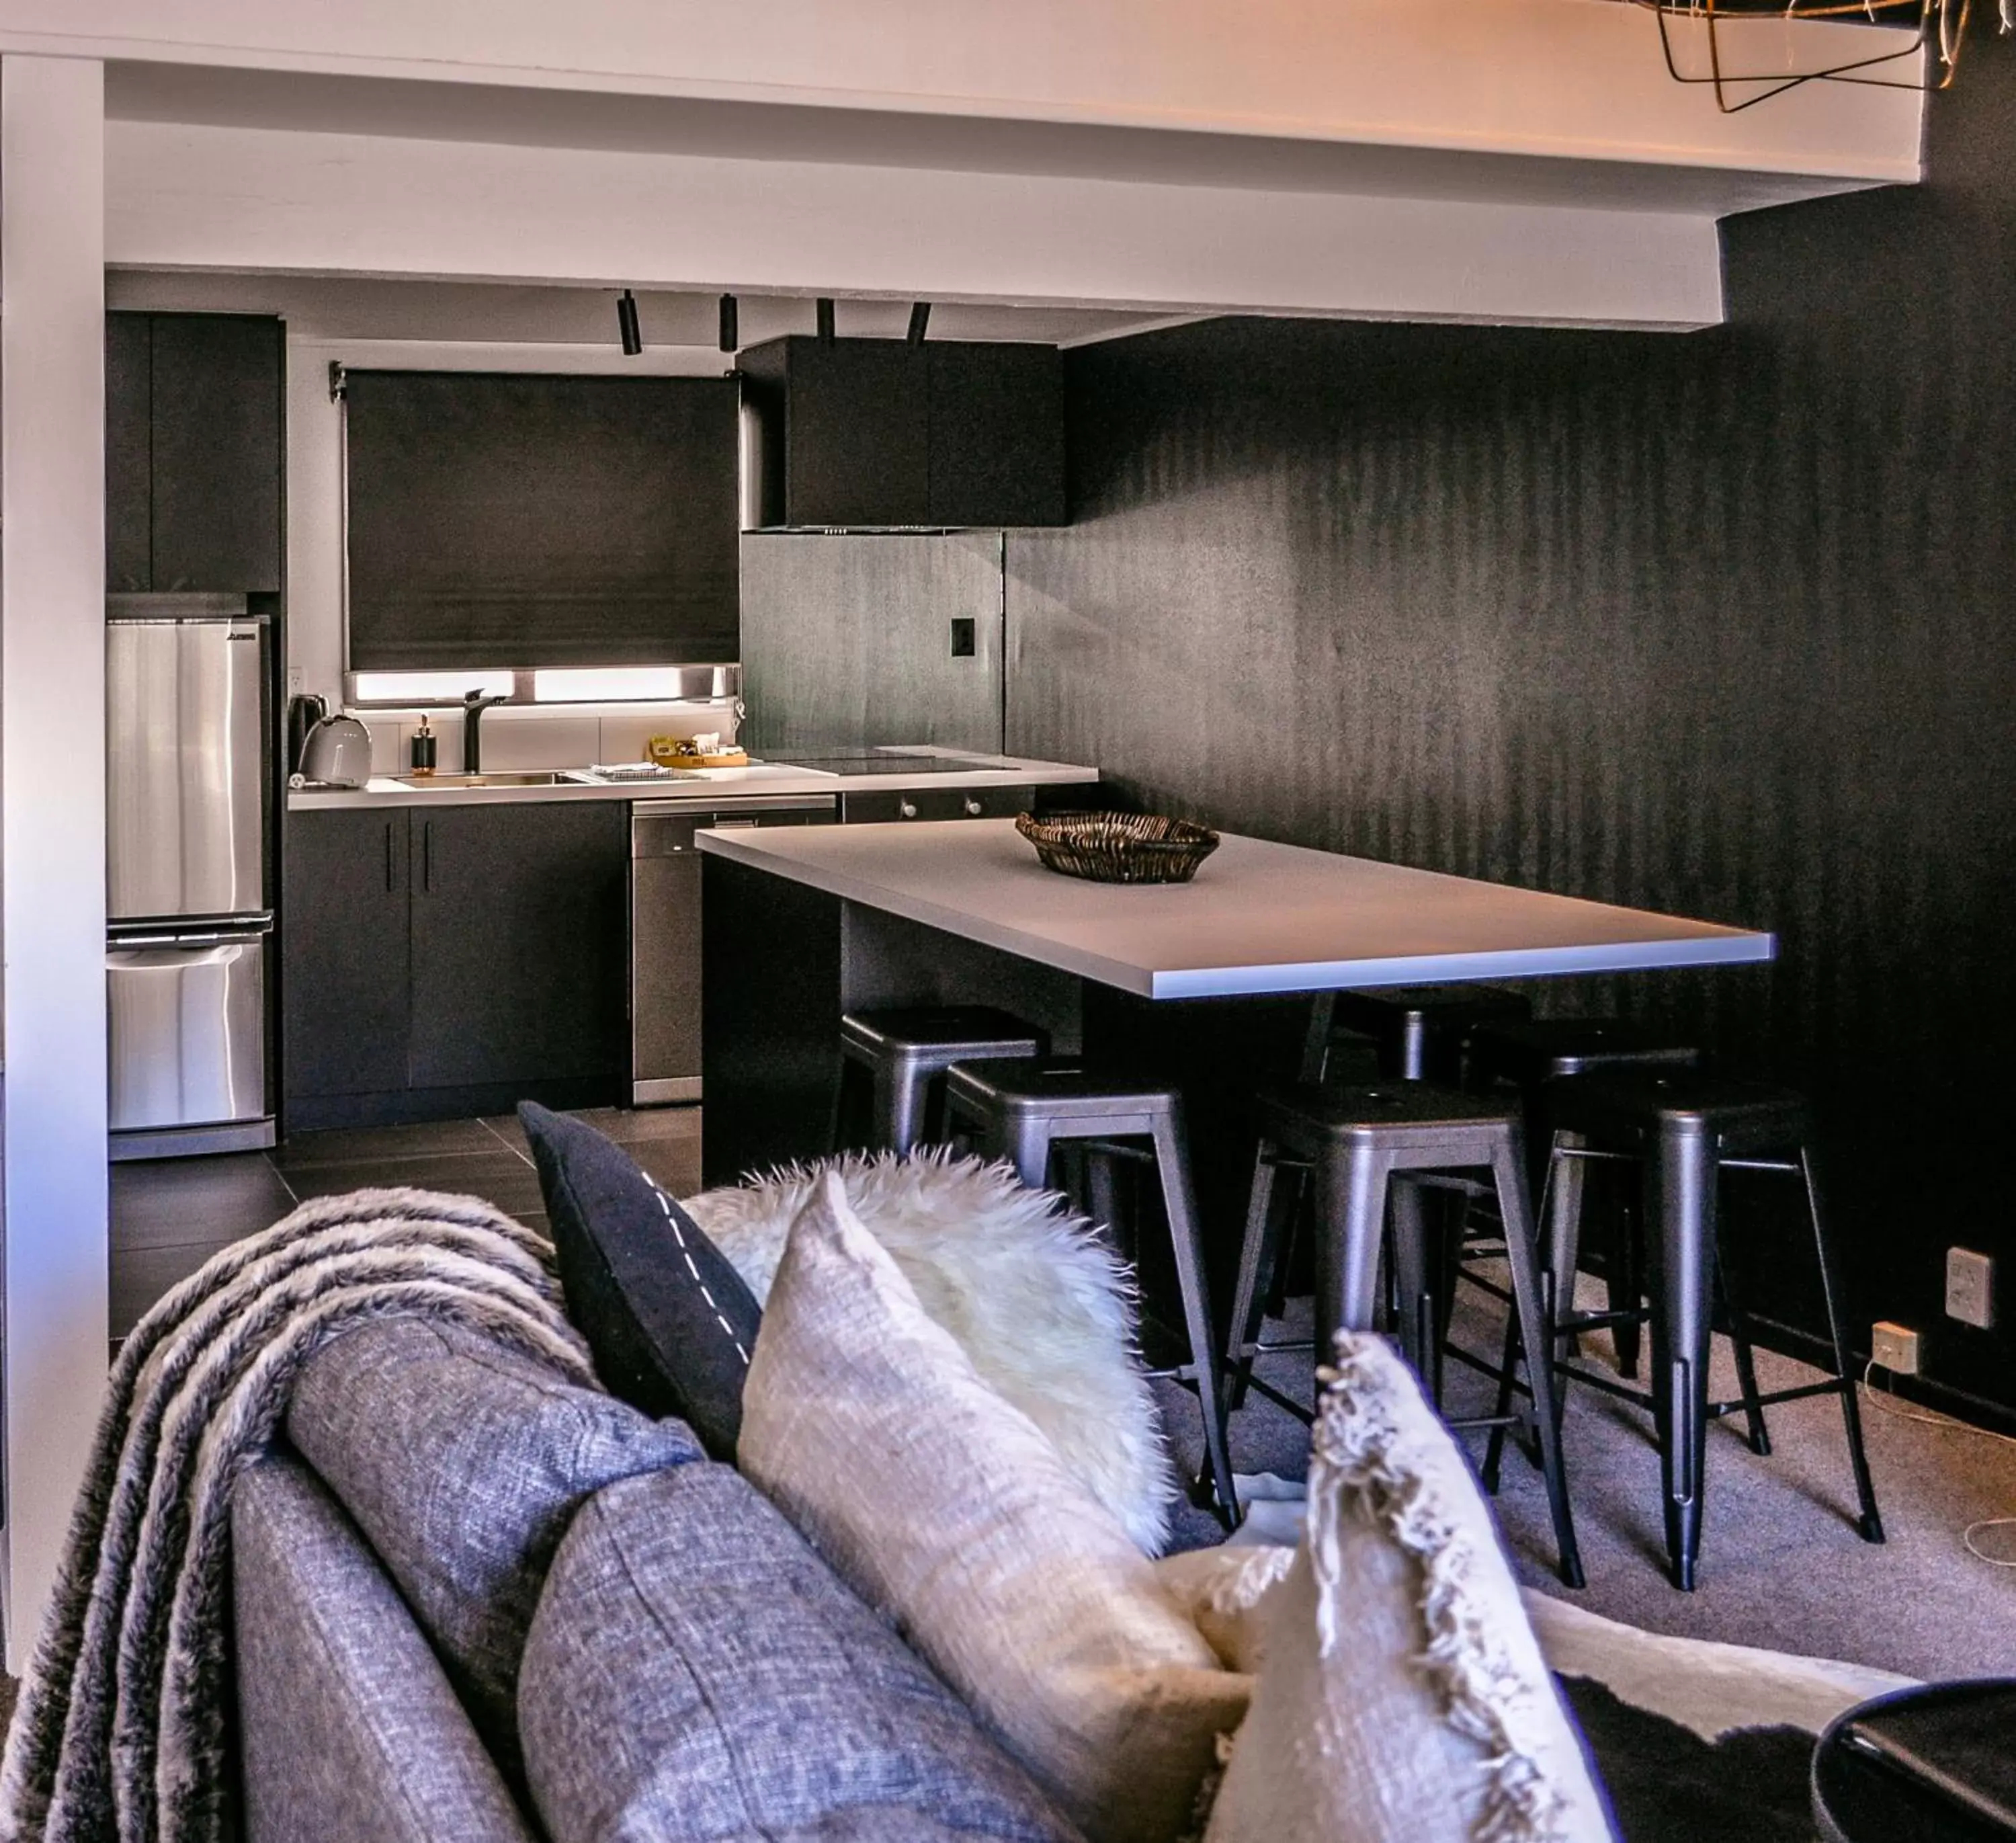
x: 1418, y: 1031
x: 1023, y: 1109
x: 1355, y: 1141
x: 898, y: 1056
x: 1684, y: 1129
x: 1414, y: 1033
x: 1530, y: 1053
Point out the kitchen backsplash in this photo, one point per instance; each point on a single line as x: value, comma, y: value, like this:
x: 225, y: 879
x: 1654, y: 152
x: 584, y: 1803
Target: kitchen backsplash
x: 521, y: 736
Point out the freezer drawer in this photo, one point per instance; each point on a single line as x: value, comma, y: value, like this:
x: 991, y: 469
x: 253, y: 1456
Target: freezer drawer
x: 185, y: 768
x: 187, y: 1032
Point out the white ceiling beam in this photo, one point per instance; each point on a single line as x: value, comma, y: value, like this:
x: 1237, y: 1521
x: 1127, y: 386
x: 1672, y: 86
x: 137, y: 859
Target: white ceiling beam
x: 207, y: 198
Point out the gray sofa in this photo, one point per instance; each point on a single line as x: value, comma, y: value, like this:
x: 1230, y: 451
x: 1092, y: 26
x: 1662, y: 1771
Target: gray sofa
x: 472, y: 1601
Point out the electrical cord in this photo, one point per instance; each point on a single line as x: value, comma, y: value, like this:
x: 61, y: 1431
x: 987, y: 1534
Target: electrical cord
x: 1876, y: 1398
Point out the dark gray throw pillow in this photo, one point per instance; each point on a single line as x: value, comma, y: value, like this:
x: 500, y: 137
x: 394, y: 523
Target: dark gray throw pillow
x: 463, y: 1462
x: 695, y: 1671
x: 669, y: 1323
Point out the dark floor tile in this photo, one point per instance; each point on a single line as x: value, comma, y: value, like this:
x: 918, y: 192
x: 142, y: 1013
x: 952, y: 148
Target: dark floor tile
x: 627, y: 1126
x: 172, y: 1202
x: 141, y: 1276
x: 496, y: 1176
x: 358, y: 1144
x: 675, y: 1168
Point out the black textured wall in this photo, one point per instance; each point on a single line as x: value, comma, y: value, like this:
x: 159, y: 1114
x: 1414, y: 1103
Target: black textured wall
x: 1721, y: 623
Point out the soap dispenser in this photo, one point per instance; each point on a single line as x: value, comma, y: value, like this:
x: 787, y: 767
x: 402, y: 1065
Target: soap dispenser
x: 423, y: 748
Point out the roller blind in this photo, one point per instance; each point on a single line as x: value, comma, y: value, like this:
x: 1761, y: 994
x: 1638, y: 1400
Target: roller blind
x: 503, y: 519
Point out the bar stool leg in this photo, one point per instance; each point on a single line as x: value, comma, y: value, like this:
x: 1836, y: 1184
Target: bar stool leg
x: 1025, y: 1143
x: 1746, y: 1363
x: 1624, y: 1281
x: 1680, y: 1199
x: 1351, y: 1190
x: 1563, y: 1235
x: 1871, y: 1524
x: 1259, y: 1254
x: 1179, y: 1205
x: 1530, y: 1308
x: 1416, y: 1318
x: 899, y: 1107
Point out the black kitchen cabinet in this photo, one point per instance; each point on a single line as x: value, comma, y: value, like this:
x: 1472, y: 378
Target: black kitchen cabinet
x: 866, y: 433
x: 882, y: 807
x: 520, y: 920
x: 997, y: 434
x: 346, y: 974
x: 453, y: 960
x: 194, y: 422
x: 129, y: 450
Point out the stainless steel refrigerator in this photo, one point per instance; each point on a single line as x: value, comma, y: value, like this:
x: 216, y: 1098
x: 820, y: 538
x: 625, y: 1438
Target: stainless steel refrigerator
x: 188, y: 882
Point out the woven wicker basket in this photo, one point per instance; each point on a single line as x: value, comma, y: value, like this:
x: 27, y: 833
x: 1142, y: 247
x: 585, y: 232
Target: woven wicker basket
x: 1119, y: 847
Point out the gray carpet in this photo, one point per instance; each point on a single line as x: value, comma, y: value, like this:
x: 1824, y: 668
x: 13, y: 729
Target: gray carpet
x: 1781, y: 1564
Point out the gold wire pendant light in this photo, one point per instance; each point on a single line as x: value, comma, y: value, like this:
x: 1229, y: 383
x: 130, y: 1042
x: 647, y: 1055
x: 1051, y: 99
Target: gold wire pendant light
x: 1939, y: 31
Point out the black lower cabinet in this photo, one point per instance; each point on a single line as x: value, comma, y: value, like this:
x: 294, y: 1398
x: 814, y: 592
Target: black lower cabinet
x: 348, y: 1010
x: 518, y: 930
x: 454, y: 961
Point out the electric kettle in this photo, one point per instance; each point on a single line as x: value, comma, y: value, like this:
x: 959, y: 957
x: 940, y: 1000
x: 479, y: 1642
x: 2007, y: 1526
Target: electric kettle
x: 337, y: 752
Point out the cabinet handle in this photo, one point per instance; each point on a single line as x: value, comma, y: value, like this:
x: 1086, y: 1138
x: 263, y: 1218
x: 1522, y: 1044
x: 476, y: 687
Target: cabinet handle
x: 972, y: 808
x: 907, y: 809
x: 427, y: 856
x: 390, y: 876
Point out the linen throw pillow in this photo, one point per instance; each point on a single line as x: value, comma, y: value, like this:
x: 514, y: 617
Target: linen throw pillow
x: 1402, y: 1698
x: 1035, y: 1297
x: 668, y: 1321
x: 695, y: 1673
x: 946, y: 1508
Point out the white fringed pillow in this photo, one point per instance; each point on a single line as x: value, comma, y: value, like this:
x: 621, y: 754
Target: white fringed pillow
x: 949, y: 1510
x: 1039, y: 1303
x: 1403, y: 1697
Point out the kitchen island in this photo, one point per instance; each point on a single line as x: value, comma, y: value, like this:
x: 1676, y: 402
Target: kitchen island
x: 802, y: 925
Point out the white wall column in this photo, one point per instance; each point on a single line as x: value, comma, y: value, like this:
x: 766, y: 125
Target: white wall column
x: 52, y: 1121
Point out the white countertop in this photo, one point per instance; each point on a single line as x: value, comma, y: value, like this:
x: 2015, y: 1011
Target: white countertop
x: 1258, y: 917
x: 710, y: 784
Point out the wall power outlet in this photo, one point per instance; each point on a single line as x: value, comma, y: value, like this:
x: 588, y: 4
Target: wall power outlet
x: 1970, y: 1288
x: 1894, y: 1348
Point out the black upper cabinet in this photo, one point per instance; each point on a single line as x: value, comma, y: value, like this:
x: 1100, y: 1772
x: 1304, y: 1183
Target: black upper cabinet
x: 192, y: 465
x: 129, y: 449
x: 867, y: 433
x: 997, y: 434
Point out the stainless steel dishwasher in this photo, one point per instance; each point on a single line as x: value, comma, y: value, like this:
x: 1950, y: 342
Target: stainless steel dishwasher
x: 665, y: 926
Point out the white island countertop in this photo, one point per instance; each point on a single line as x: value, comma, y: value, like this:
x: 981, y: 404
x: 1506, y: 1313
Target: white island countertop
x: 1258, y: 917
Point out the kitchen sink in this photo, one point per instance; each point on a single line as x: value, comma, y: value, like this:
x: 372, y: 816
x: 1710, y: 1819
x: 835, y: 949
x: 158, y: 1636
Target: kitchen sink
x: 543, y: 777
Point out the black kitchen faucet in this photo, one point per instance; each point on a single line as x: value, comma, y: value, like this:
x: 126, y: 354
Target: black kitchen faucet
x: 473, y: 705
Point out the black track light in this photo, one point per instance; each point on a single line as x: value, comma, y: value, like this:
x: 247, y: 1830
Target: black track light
x: 920, y: 319
x: 822, y: 312
x: 731, y: 332
x: 626, y: 324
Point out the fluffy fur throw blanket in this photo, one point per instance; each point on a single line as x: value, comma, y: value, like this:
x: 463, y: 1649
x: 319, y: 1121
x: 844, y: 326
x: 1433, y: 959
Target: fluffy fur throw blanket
x: 122, y: 1730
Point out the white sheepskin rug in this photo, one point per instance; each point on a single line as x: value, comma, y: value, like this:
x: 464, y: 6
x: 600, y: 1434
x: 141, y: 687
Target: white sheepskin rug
x: 1044, y: 1311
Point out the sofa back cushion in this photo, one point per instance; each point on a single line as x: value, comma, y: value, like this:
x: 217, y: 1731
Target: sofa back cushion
x: 670, y: 1322
x: 462, y: 1462
x: 694, y: 1671
x: 346, y: 1726
x: 946, y: 1507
